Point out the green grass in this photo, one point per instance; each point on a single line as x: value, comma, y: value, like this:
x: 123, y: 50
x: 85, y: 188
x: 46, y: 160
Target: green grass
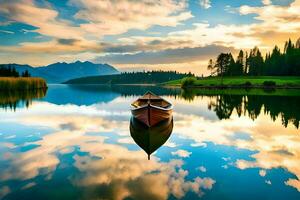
x: 233, y: 91
x: 10, y: 83
x: 281, y: 81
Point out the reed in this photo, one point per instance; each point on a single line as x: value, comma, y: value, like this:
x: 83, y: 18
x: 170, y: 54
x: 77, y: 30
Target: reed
x: 23, y: 83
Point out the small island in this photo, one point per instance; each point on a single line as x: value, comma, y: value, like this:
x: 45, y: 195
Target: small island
x: 11, y: 80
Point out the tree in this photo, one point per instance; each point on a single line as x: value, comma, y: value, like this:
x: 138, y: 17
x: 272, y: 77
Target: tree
x: 273, y: 63
x: 298, y: 44
x: 256, y: 62
x: 14, y: 72
x: 289, y: 61
x: 8, y: 71
x: 26, y: 73
x: 223, y: 64
x: 253, y: 64
x: 211, y: 67
x: 297, y: 61
x: 231, y: 68
x: 246, y: 68
x: 239, y: 65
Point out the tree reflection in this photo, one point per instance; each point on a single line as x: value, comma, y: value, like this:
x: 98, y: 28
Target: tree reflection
x: 13, y: 99
x: 285, y: 107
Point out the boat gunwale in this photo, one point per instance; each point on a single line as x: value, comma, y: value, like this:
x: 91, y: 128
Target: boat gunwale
x: 153, y: 106
x: 170, y: 107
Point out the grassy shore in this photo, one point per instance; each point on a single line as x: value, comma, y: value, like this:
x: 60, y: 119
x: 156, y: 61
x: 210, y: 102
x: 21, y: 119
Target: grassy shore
x: 30, y: 83
x: 235, y: 91
x: 238, y: 82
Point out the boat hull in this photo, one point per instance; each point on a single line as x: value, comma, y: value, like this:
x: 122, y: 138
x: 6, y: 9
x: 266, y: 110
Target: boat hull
x: 151, y: 115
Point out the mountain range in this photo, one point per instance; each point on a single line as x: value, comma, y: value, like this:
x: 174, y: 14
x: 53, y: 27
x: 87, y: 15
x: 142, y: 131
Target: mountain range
x: 61, y: 71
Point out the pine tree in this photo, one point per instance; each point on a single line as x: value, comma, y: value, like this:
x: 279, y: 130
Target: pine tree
x: 25, y: 73
x: 289, y: 60
x: 211, y: 67
x: 256, y: 62
x: 246, y: 68
x: 239, y: 65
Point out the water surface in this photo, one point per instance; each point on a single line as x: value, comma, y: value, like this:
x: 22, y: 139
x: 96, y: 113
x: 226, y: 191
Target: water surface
x: 74, y: 142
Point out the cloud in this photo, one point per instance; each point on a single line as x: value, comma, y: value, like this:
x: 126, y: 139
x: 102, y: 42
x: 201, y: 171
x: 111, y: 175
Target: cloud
x: 126, y: 140
x: 137, y: 44
x: 25, y: 31
x: 206, y: 4
x: 273, y: 17
x: 48, y: 23
x: 170, y: 144
x: 166, y: 56
x: 5, y: 23
x: 202, y: 169
x: 262, y: 173
x: 226, y: 35
x: 7, y: 32
x: 182, y: 153
x: 131, y: 177
x: 7, y: 145
x: 225, y: 166
x: 199, y: 145
x: 117, y: 174
x: 268, y: 182
x: 67, y: 41
x: 59, y: 46
x: 4, y: 191
x: 28, y: 185
x: 230, y: 9
x: 10, y: 137
x: 294, y: 183
x: 82, y: 37
x: 279, y: 21
x: 84, y: 31
x: 108, y: 17
x: 267, y: 2
x: 273, y: 145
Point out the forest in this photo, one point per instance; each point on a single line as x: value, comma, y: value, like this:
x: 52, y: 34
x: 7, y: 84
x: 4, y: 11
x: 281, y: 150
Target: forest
x: 12, y: 72
x: 151, y: 77
x: 275, y: 63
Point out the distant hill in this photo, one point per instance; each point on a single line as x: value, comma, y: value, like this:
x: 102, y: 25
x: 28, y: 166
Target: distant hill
x: 153, y: 77
x: 61, y: 72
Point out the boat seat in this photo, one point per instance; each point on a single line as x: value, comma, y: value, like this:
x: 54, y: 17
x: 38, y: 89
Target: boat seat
x: 155, y: 102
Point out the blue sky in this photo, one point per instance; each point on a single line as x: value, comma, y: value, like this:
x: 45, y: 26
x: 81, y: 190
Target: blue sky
x: 40, y: 32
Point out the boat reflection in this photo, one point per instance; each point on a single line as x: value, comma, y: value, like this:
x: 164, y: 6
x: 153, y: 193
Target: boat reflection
x: 150, y: 138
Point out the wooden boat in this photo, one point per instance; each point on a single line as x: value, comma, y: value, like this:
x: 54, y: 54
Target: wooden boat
x: 151, y: 109
x: 150, y: 138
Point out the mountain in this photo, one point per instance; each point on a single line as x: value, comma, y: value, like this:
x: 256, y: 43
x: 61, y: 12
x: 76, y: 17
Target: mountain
x: 61, y: 72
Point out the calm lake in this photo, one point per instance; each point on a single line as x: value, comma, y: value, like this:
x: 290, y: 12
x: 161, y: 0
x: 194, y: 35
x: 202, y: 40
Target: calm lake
x: 78, y: 142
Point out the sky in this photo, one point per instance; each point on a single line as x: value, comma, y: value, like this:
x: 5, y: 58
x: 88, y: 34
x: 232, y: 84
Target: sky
x: 131, y: 35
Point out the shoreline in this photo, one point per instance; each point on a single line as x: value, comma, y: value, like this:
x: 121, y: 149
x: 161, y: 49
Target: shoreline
x: 194, y: 86
x: 127, y: 84
x: 8, y: 84
x: 222, y: 87
x: 238, y: 82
